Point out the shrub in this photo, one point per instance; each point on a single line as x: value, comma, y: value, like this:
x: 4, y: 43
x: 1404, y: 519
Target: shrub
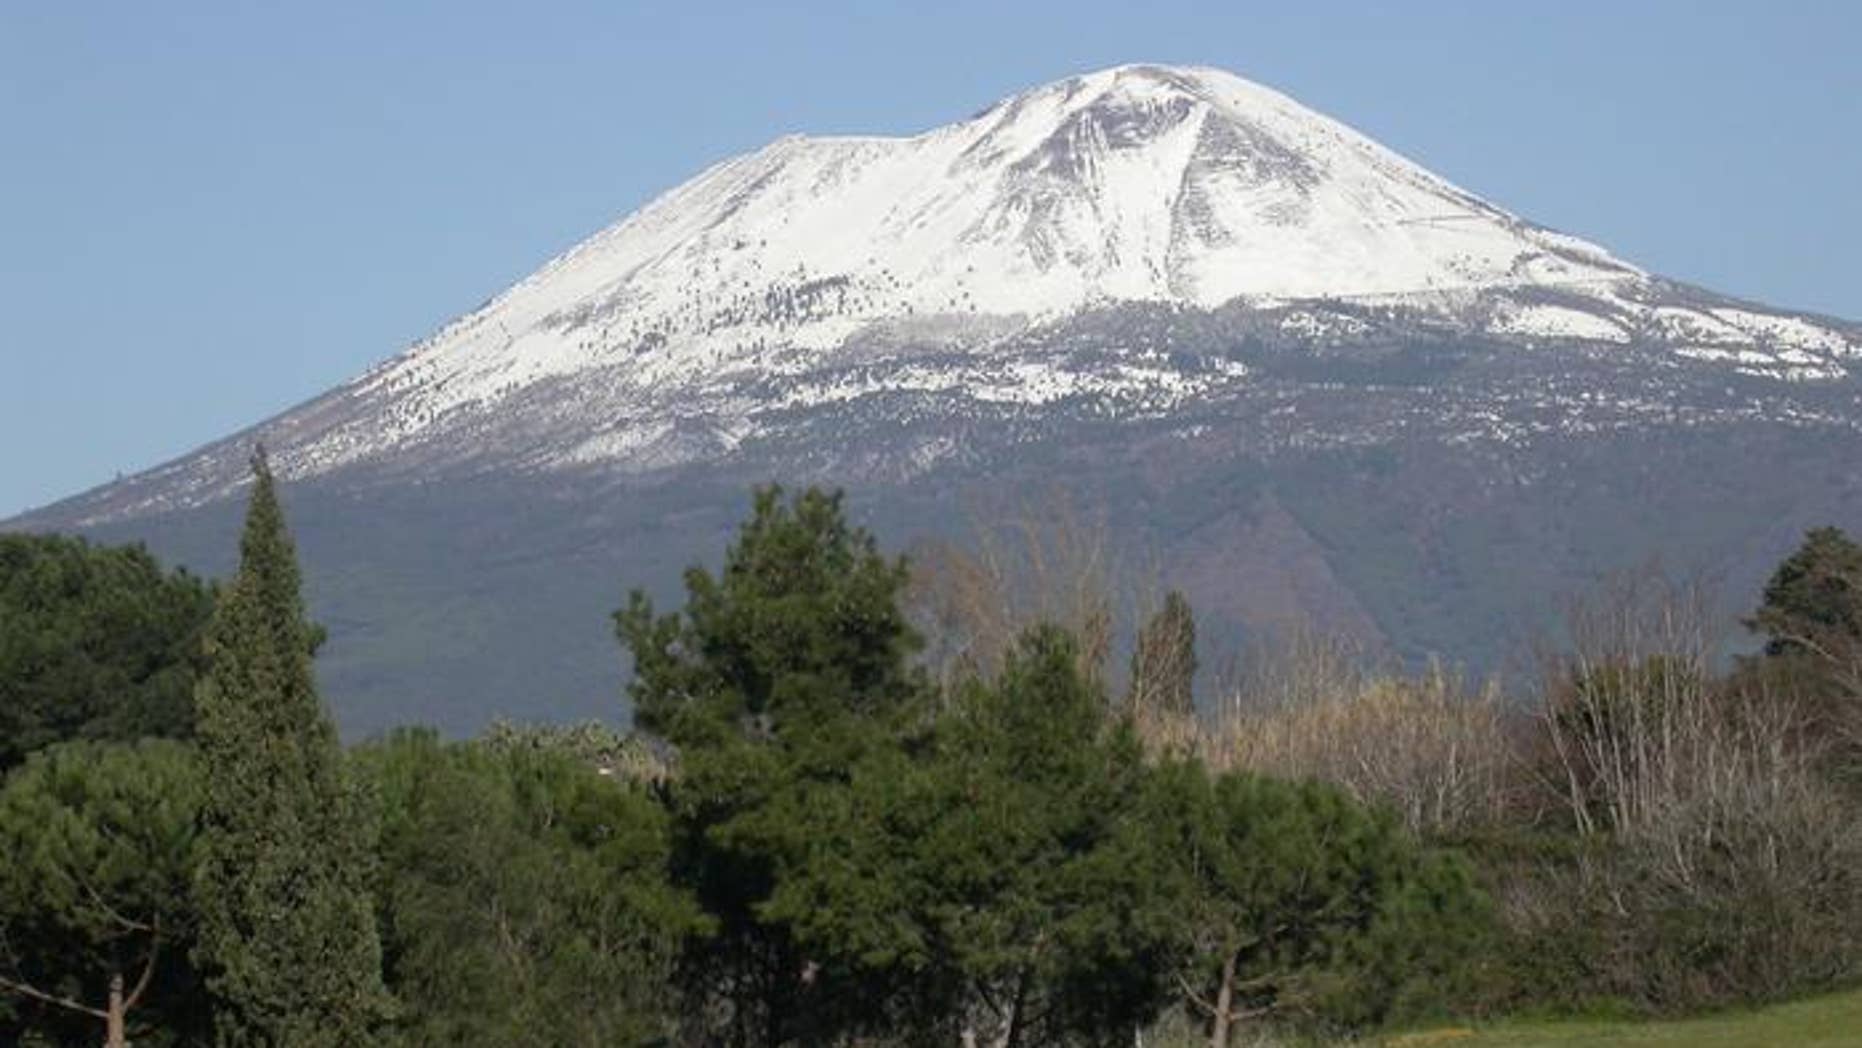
x: 1430, y: 749
x: 1713, y: 862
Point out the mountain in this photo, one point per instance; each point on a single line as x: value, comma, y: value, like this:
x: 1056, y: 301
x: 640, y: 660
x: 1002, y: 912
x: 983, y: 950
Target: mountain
x: 1300, y: 371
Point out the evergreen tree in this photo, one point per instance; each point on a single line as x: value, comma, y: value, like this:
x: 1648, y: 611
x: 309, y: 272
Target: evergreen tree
x: 524, y: 895
x: 96, y: 642
x: 288, y: 932
x: 1163, y: 663
x: 95, y: 920
x: 1811, y: 617
x: 775, y: 678
x: 1813, y: 603
x: 1299, y: 903
x: 995, y: 888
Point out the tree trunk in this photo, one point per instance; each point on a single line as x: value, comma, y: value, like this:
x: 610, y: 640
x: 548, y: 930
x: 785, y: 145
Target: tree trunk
x: 1012, y: 1038
x: 1224, y: 1005
x: 115, y: 1022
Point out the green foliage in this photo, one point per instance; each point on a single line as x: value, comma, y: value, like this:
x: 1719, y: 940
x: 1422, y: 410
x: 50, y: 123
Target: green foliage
x: 1814, y: 598
x: 1043, y: 891
x: 1811, y: 617
x: 1741, y: 905
x: 776, y: 676
x: 803, y: 624
x: 524, y: 896
x: 288, y: 932
x: 1302, y: 904
x: 996, y: 885
x: 95, y: 643
x: 1163, y: 662
x: 816, y: 849
x: 100, y: 842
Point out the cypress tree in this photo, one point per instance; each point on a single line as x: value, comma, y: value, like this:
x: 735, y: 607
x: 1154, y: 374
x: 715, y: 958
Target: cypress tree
x: 288, y: 932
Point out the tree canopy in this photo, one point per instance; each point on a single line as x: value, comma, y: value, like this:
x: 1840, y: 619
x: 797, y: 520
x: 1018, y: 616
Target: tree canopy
x: 96, y: 642
x: 774, y: 678
x: 525, y: 895
x: 1813, y: 601
x: 95, y: 912
x: 1163, y: 660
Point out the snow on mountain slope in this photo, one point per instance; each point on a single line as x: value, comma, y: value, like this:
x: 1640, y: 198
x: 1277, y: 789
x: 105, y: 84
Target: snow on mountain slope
x: 1132, y: 184
x: 786, y: 277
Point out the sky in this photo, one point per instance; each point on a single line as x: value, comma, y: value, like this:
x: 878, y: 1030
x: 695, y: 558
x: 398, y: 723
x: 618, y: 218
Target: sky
x: 211, y: 212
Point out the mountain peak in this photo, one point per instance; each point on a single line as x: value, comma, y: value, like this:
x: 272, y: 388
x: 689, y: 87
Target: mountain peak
x: 1290, y: 362
x: 660, y: 339
x: 1150, y: 80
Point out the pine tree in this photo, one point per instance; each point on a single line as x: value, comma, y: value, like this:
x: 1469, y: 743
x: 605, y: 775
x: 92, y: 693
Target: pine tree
x: 96, y: 642
x: 1813, y: 603
x: 780, y: 672
x: 94, y: 917
x: 287, y: 925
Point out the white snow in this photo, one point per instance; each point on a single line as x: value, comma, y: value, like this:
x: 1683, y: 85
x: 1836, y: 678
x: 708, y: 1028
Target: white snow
x: 1130, y: 184
x: 1319, y: 325
x: 1134, y: 184
x: 1544, y: 321
x: 1697, y: 326
x: 1787, y: 331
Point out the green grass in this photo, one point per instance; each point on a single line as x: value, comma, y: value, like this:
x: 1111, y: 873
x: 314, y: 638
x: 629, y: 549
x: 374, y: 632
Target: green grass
x: 1823, y: 1022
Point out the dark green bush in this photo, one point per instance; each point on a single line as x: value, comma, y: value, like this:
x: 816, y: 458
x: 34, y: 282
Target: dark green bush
x: 1301, y: 905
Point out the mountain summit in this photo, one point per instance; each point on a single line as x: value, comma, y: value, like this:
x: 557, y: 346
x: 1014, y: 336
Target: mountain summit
x: 1148, y: 277
x: 671, y: 336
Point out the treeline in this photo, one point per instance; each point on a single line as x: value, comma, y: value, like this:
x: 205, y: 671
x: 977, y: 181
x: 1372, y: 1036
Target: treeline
x: 868, y: 802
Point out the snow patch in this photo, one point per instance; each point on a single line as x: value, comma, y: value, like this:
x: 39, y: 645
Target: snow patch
x: 1543, y: 321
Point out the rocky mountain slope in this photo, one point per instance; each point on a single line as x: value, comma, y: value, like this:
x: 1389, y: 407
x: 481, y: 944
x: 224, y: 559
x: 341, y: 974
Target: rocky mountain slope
x: 1301, y: 372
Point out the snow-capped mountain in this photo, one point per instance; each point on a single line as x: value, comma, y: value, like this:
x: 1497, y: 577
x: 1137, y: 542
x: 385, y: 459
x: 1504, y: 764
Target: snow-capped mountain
x: 1160, y: 277
x: 829, y: 269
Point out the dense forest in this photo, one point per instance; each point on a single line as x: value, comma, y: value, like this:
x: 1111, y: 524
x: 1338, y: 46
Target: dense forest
x: 975, y: 798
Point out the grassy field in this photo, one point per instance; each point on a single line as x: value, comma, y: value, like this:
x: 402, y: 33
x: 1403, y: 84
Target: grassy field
x: 1823, y: 1022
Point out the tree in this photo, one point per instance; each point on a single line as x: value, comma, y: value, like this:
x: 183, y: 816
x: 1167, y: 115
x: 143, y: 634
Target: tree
x: 771, y: 682
x: 801, y: 626
x: 525, y: 896
x: 1040, y: 562
x: 1811, y: 617
x: 1299, y: 902
x: 288, y: 931
x: 95, y: 643
x: 1163, y: 662
x: 997, y: 888
x: 1813, y: 601
x: 95, y: 918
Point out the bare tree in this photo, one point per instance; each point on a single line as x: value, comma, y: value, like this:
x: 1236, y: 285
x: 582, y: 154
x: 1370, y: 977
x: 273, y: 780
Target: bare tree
x: 1163, y: 660
x: 1628, y: 707
x: 1039, y: 562
x: 1313, y: 705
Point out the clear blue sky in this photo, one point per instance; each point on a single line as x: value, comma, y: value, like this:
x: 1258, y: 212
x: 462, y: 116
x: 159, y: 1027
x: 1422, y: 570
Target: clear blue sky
x: 209, y: 212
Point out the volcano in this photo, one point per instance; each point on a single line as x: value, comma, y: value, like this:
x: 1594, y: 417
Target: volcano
x: 1302, y: 375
